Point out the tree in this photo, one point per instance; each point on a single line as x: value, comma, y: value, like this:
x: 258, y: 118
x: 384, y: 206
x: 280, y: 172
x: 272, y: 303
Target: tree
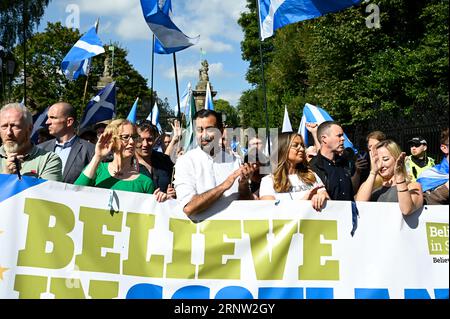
x: 353, y: 71
x: 224, y: 107
x: 48, y: 85
x: 13, y: 20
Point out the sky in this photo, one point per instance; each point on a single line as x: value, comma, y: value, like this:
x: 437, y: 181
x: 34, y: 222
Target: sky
x: 122, y: 21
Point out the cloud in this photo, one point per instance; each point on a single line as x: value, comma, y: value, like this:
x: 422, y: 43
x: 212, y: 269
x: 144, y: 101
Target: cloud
x: 230, y: 96
x: 106, y: 7
x: 214, y: 20
x: 132, y: 26
x: 216, y: 70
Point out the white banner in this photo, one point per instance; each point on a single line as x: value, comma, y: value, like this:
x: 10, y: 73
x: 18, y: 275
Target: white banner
x: 63, y: 241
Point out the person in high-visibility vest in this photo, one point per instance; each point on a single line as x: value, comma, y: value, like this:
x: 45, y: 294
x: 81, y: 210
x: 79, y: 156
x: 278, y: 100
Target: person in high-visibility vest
x: 418, y: 161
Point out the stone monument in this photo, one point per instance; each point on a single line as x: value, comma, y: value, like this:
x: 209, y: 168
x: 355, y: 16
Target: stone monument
x: 200, y: 88
x: 106, y: 78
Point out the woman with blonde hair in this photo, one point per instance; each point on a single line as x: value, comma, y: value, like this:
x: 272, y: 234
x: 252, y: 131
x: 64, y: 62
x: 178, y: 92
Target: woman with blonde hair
x: 293, y: 175
x: 388, y: 161
x: 122, y: 173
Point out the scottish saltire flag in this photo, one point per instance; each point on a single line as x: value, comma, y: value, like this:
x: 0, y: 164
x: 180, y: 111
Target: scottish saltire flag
x: 76, y: 62
x: 274, y: 14
x: 100, y: 108
x: 171, y: 38
x: 287, y: 127
x: 133, y: 112
x: 166, y: 8
x: 434, y: 176
x: 314, y: 114
x: 39, y: 120
x: 209, y: 105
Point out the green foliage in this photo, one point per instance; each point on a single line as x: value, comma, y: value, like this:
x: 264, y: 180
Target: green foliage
x: 47, y: 85
x: 12, y: 19
x: 353, y: 71
x: 224, y: 107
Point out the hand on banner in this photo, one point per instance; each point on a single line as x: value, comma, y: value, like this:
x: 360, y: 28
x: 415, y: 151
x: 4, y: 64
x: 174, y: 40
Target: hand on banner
x: 160, y: 196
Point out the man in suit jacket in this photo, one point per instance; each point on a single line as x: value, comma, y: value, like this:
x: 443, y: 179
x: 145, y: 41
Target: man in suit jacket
x: 75, y: 153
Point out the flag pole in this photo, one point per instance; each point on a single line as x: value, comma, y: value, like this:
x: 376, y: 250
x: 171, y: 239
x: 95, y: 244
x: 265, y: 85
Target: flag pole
x: 176, y: 83
x: 262, y: 78
x: 153, y: 67
x: 25, y: 22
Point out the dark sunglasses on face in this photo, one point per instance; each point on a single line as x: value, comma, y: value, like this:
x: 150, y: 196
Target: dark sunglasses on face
x: 415, y: 145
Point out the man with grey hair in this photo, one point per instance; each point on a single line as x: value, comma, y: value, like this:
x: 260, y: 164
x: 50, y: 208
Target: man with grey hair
x: 18, y: 155
x: 75, y: 153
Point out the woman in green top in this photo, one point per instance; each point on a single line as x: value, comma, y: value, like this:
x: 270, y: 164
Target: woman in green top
x: 122, y: 173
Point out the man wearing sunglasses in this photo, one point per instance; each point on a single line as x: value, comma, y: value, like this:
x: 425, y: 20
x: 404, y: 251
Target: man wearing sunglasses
x: 418, y: 161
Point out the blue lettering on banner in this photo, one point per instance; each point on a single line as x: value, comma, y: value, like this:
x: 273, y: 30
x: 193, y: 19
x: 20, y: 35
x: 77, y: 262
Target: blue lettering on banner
x: 234, y: 292
x: 149, y: 291
x: 368, y: 293
x: 192, y: 292
x: 280, y: 293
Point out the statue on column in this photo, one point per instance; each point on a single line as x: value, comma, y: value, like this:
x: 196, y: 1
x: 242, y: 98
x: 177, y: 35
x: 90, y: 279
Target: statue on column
x: 204, y: 77
x: 107, y: 66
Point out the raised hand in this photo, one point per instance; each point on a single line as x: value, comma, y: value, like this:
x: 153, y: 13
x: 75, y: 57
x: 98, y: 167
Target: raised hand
x: 312, y: 127
x: 400, y: 164
x: 104, y: 145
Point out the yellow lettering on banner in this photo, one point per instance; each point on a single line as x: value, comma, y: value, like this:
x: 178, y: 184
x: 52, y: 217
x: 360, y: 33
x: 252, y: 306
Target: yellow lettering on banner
x: 30, y: 287
x: 215, y: 248
x: 313, y: 249
x: 137, y: 264
x: 40, y: 233
x: 64, y: 288
x: 181, y: 265
x: 270, y: 268
x: 94, y: 240
x: 99, y: 289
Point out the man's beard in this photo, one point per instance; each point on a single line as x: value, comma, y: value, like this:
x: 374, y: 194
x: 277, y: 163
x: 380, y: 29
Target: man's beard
x: 11, y: 147
x: 212, y: 147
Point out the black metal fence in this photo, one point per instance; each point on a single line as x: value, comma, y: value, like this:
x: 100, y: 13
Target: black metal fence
x: 401, y: 129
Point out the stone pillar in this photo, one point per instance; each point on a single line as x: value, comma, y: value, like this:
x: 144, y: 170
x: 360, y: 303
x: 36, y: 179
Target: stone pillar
x: 200, y: 89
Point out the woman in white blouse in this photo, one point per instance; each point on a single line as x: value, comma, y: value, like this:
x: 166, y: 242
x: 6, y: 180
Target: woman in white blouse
x: 293, y: 175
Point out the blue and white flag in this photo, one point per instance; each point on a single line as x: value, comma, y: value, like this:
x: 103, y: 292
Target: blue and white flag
x: 76, y: 62
x: 184, y: 107
x: 287, y: 127
x: 39, y: 120
x: 133, y: 112
x: 209, y: 105
x: 166, y: 8
x: 434, y: 176
x: 171, y: 38
x: 155, y: 117
x: 100, y: 108
x: 314, y: 114
x: 274, y: 14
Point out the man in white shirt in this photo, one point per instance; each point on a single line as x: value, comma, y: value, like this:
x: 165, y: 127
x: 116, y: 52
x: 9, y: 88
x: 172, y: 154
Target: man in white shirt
x: 206, y: 177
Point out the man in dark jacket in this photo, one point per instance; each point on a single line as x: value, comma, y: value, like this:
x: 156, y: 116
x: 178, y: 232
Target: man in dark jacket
x: 75, y: 153
x: 329, y: 165
x: 158, y: 165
